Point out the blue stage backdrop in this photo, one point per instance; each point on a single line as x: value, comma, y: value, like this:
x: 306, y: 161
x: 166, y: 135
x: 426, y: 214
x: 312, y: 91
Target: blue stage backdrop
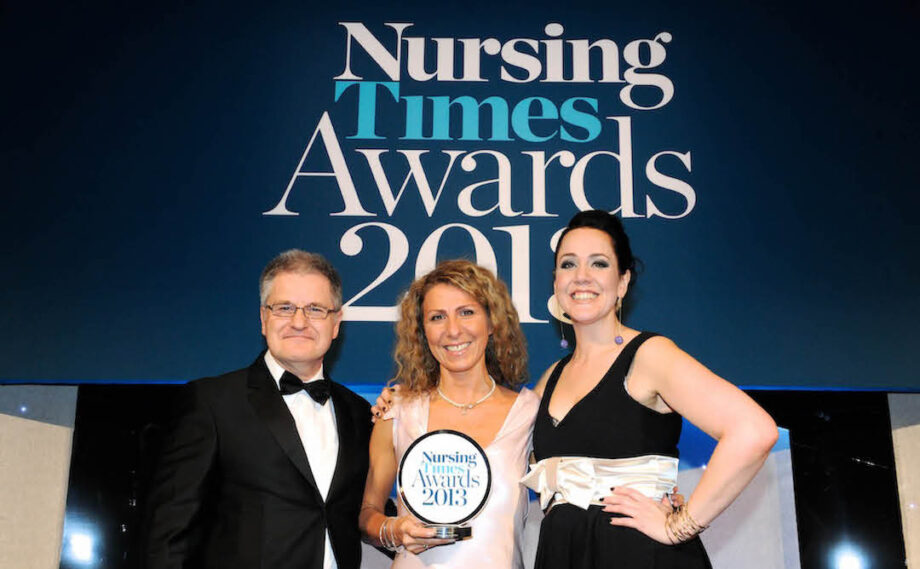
x: 763, y: 158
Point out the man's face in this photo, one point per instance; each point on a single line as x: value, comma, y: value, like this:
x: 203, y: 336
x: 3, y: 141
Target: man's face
x: 299, y: 343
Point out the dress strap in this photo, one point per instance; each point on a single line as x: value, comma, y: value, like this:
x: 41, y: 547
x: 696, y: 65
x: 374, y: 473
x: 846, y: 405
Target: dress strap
x: 551, y: 383
x: 625, y: 359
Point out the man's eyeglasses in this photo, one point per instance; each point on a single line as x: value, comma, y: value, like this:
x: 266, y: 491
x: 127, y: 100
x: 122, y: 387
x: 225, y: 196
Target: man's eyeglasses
x: 311, y: 311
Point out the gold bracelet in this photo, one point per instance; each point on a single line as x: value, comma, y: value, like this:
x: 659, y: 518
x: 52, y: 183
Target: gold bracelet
x: 681, y: 525
x: 699, y: 528
x: 668, y: 532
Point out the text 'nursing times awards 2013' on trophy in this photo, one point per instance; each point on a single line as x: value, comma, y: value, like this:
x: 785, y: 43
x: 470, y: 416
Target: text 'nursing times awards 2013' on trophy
x: 444, y: 479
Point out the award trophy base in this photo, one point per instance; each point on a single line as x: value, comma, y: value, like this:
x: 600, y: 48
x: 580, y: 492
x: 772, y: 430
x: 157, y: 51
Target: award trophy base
x: 451, y: 531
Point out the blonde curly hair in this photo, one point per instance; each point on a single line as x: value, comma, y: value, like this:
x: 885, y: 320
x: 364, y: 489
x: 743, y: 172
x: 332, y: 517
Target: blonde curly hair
x: 506, y: 353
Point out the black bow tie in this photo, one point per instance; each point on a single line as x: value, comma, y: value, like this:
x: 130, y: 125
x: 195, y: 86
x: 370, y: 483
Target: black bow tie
x: 317, y: 389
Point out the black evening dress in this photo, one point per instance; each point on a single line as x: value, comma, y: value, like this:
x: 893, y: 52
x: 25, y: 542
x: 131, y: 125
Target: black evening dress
x: 606, y: 423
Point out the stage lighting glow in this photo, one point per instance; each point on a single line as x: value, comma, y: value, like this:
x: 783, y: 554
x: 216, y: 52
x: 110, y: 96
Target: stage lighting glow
x: 81, y: 547
x: 23, y: 409
x: 848, y: 557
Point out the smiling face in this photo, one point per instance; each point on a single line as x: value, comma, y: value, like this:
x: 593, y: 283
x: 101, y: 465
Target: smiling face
x: 298, y: 343
x: 587, y: 278
x: 457, y: 329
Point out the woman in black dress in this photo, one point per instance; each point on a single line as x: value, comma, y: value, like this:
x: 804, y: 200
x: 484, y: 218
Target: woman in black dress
x: 611, y: 417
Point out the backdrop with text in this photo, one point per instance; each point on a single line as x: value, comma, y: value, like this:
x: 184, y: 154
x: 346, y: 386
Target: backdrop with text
x: 763, y: 159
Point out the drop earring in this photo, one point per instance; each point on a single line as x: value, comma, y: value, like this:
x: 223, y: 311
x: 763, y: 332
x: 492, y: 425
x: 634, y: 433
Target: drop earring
x: 618, y: 339
x: 563, y: 343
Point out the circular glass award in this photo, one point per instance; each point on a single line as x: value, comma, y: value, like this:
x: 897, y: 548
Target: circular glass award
x: 444, y: 479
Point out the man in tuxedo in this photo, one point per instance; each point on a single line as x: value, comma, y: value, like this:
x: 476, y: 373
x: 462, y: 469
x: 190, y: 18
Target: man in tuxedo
x: 265, y: 466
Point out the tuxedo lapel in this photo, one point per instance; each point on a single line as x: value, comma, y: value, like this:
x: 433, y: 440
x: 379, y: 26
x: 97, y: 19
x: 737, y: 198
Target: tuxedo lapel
x: 344, y: 424
x: 268, y: 404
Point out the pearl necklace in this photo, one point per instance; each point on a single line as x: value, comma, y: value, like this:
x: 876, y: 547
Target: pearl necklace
x: 465, y: 407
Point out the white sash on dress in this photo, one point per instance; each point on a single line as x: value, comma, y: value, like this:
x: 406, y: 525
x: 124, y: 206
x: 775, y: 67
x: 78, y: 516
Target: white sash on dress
x: 584, y: 481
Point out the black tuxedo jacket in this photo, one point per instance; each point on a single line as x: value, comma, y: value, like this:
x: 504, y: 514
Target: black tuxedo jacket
x: 233, y: 487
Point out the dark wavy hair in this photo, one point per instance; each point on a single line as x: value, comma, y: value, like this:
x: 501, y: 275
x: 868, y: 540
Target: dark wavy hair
x: 506, y: 353
x: 613, y: 227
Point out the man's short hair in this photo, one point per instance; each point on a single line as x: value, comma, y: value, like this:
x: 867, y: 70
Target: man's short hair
x: 303, y: 262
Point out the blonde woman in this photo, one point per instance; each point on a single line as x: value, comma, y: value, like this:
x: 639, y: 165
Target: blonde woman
x: 460, y: 357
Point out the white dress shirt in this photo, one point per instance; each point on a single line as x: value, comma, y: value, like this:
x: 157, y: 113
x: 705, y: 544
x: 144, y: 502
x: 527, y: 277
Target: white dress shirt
x: 318, y: 434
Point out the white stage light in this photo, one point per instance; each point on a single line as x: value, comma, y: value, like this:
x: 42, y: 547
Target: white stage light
x: 848, y: 557
x: 81, y: 547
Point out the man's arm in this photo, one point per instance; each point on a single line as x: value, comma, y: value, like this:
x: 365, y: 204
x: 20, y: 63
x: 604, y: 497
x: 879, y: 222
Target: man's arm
x: 179, y: 483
